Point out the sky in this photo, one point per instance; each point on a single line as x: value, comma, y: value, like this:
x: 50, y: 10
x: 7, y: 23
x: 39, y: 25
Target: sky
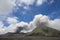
x: 27, y: 13
x: 47, y: 7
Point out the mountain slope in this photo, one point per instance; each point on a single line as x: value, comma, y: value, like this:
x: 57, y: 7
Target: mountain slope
x: 44, y: 31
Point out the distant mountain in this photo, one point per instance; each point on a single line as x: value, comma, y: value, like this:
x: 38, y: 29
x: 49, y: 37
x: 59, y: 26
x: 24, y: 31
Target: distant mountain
x: 16, y: 33
x: 44, y: 31
x: 39, y: 31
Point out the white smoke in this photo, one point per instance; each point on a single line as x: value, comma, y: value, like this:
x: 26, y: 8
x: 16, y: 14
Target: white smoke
x: 39, y: 20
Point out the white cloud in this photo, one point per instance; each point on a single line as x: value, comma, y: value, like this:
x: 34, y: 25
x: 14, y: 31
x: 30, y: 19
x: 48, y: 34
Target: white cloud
x: 22, y: 24
x: 27, y: 2
x: 39, y: 20
x: 1, y: 24
x: 2, y: 28
x: 42, y: 20
x: 40, y: 2
x: 30, y: 2
x: 6, y: 7
x: 54, y: 24
x: 12, y: 20
x: 11, y: 28
x: 14, y: 27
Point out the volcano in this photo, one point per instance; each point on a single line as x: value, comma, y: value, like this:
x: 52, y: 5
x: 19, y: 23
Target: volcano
x: 45, y: 31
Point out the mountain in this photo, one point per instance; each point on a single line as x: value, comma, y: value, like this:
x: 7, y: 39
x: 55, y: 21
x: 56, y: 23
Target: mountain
x: 44, y: 31
x: 39, y: 31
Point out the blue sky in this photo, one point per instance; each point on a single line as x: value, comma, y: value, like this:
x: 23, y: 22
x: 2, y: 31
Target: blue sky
x: 46, y: 8
x: 28, y: 14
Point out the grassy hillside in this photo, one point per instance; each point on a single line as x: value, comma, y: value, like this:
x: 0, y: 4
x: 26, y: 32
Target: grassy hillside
x: 44, y: 31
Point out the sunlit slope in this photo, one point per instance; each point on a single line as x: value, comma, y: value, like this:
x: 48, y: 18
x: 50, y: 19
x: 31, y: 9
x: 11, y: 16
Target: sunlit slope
x: 44, y: 31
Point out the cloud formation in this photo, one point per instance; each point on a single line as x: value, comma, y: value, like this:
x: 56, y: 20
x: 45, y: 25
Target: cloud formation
x: 54, y: 24
x: 6, y: 7
x: 39, y: 20
x: 12, y: 20
x: 2, y: 28
x: 30, y: 2
x: 27, y: 3
x: 40, y: 2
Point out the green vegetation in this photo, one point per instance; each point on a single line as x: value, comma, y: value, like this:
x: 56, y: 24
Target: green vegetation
x: 44, y: 31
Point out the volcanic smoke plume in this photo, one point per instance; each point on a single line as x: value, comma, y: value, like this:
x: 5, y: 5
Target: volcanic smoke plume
x: 17, y: 27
